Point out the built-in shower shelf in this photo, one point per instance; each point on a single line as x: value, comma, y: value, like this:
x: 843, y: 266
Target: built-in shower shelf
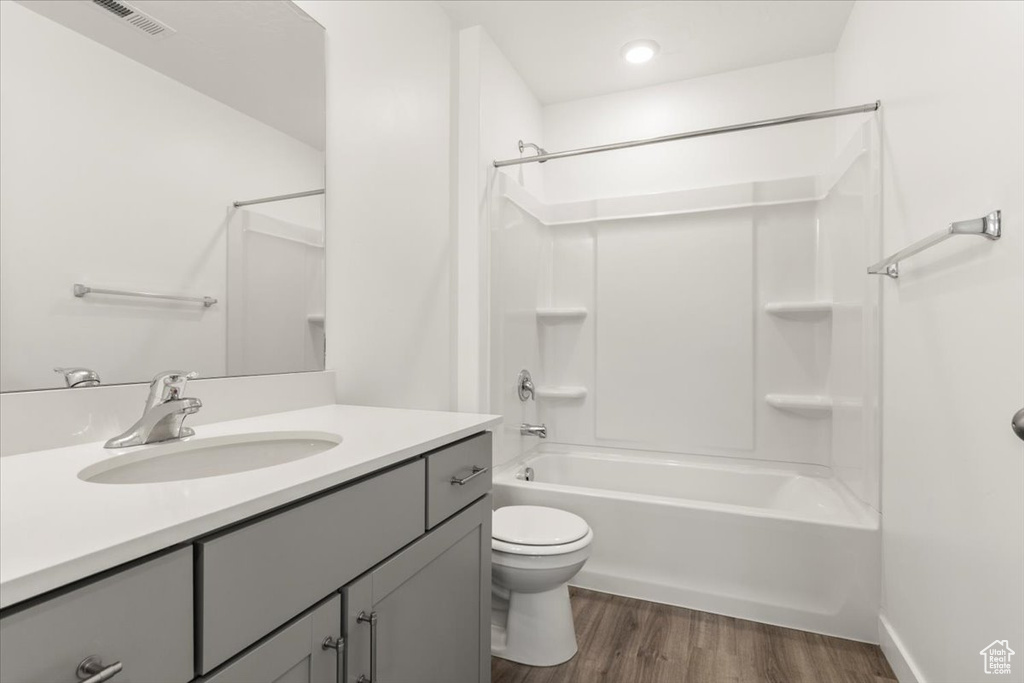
x: 316, y: 319
x: 561, y: 315
x: 804, y: 310
x: 561, y: 392
x: 802, y: 404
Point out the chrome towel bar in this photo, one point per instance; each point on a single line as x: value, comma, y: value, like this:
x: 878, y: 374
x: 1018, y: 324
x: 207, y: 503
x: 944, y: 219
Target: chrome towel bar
x: 989, y: 226
x: 81, y: 290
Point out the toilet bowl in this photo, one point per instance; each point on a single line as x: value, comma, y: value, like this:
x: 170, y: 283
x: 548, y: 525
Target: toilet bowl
x: 535, y: 551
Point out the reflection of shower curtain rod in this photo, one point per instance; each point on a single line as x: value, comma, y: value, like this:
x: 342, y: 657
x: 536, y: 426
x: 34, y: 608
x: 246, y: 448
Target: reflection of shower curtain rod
x: 278, y: 198
x: 829, y: 113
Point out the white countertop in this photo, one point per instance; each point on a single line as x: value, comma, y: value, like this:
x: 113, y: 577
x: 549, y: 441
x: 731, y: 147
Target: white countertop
x: 56, y: 528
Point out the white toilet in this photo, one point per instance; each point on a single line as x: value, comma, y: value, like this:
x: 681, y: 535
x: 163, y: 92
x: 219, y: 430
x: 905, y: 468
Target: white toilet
x: 534, y: 552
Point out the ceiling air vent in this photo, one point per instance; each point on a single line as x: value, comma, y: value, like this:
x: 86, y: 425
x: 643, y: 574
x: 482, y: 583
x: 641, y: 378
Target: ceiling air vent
x: 136, y: 18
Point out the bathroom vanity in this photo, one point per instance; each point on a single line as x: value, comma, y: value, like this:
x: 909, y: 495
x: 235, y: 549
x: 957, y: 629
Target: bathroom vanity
x: 369, y: 561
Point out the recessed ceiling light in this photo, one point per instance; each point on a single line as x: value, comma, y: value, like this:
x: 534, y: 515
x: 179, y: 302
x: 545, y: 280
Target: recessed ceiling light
x: 639, y: 51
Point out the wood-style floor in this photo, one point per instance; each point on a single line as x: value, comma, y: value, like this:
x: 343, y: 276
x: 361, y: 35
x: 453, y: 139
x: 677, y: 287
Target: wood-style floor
x: 622, y: 640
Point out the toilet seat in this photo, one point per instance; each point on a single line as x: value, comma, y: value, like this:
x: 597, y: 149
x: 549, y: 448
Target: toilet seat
x: 537, y: 530
x: 542, y: 550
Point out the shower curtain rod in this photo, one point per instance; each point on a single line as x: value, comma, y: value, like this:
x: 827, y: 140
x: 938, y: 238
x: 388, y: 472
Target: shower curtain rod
x: 828, y: 113
x: 277, y: 198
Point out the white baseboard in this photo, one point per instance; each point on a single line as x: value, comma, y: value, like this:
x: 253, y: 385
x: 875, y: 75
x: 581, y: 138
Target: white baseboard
x: 899, y: 659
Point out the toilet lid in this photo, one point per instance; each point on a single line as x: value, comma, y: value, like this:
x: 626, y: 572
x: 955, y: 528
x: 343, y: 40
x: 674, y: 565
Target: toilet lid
x: 536, y: 525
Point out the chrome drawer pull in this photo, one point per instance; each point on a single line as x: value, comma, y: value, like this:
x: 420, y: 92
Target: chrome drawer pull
x: 91, y: 670
x: 332, y: 644
x: 339, y: 652
x: 370, y: 619
x: 477, y: 471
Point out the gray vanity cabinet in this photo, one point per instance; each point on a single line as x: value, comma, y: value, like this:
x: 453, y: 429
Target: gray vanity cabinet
x: 396, y: 563
x: 424, y: 614
x: 295, y: 654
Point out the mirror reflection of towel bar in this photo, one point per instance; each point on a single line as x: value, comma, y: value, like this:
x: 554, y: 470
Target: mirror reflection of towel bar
x: 277, y: 198
x: 81, y: 290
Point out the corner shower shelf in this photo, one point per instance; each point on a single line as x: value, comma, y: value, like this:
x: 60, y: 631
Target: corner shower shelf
x: 801, y: 404
x: 561, y: 392
x: 558, y: 315
x: 803, y: 310
x: 316, y: 319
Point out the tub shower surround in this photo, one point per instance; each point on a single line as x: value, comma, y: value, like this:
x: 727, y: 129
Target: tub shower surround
x: 706, y: 363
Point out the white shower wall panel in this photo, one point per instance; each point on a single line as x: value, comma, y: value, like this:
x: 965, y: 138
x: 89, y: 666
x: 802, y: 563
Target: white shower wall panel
x: 675, y: 334
x: 776, y: 262
x: 520, y: 268
x: 846, y: 217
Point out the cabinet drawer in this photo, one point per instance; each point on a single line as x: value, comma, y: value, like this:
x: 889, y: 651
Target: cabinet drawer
x: 447, y: 467
x: 141, y: 617
x: 253, y: 579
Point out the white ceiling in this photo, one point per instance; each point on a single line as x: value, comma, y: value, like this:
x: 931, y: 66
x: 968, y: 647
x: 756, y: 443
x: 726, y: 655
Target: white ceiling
x: 265, y: 59
x: 567, y: 50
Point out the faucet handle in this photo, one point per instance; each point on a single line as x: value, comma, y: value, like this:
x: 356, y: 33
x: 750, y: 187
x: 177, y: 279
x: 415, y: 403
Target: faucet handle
x: 79, y: 377
x: 524, y: 385
x: 168, y: 385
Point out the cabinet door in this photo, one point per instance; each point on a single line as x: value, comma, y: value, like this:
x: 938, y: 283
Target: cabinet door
x: 293, y: 655
x: 430, y: 607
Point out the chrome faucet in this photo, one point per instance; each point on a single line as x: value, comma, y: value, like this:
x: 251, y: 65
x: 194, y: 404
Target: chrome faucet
x: 534, y: 430
x: 164, y: 413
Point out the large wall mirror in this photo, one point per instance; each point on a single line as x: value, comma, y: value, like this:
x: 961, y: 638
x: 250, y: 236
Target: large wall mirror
x: 128, y: 132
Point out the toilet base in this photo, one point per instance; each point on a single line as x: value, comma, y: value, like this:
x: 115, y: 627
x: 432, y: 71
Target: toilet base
x: 534, y: 628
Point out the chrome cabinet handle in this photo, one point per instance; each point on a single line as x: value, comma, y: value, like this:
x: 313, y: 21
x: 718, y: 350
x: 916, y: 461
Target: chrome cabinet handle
x: 477, y: 471
x: 1018, y: 423
x: 370, y: 619
x: 338, y: 646
x: 91, y: 670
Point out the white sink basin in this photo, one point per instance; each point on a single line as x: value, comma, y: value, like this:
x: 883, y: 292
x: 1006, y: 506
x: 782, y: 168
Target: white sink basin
x: 211, y: 457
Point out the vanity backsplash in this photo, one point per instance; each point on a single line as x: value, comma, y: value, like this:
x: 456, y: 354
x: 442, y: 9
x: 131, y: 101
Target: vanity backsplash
x: 40, y: 420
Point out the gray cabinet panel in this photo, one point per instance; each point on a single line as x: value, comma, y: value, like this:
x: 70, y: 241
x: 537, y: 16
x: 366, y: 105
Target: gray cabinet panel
x: 141, y: 617
x: 445, y: 498
x: 293, y: 655
x: 432, y: 605
x: 252, y: 580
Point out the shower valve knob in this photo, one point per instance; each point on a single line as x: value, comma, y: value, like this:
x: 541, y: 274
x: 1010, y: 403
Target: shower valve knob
x: 524, y: 385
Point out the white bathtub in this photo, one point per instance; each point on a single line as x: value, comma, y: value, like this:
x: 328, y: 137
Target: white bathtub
x: 768, y: 545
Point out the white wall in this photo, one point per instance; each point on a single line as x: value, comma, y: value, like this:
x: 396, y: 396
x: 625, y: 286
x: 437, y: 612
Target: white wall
x: 790, y: 87
x: 115, y: 175
x: 951, y: 79
x: 389, y: 250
